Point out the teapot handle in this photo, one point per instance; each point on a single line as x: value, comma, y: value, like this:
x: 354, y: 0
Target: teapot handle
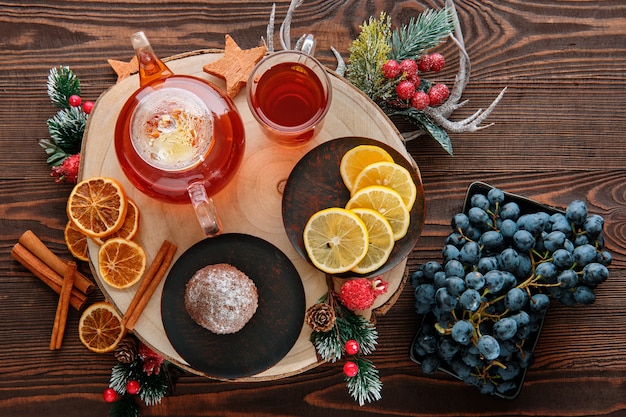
x: 151, y: 68
x: 205, y: 209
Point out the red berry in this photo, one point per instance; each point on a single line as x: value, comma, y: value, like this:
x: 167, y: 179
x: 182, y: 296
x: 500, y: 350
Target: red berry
x: 88, y: 106
x: 414, y: 78
x: 438, y: 94
x: 405, y: 90
x: 391, y: 69
x: 352, y: 347
x: 408, y: 67
x: 132, y: 387
x: 420, y: 100
x: 350, y: 369
x: 424, y: 63
x: 437, y: 62
x: 109, y: 395
x: 74, y: 100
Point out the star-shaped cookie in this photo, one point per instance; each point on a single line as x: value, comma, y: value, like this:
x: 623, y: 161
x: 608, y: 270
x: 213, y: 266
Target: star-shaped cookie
x: 235, y: 66
x: 124, y: 69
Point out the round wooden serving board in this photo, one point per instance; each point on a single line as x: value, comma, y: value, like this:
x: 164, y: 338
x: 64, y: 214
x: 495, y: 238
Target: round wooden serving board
x: 250, y: 204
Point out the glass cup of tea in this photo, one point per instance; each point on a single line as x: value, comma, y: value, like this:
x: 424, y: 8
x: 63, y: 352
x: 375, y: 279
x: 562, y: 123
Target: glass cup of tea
x: 178, y: 138
x: 289, y: 94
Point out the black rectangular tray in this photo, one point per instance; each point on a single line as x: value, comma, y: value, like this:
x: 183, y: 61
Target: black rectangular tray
x: 527, y: 206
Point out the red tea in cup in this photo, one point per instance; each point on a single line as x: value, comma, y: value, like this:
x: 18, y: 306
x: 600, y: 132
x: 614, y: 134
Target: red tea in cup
x: 289, y: 94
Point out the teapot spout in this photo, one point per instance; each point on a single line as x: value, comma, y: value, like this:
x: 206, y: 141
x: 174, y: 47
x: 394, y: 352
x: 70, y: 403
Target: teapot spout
x: 151, y: 68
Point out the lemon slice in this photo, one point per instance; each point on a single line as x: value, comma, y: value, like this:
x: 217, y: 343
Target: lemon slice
x: 388, y: 203
x: 335, y: 239
x: 357, y: 158
x: 380, y: 238
x: 389, y: 175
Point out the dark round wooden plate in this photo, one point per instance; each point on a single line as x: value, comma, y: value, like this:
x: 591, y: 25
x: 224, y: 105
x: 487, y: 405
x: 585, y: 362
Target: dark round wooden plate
x: 315, y: 183
x: 271, y: 332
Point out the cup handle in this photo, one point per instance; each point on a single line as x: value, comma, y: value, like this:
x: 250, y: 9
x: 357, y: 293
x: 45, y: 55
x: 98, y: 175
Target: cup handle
x: 205, y: 209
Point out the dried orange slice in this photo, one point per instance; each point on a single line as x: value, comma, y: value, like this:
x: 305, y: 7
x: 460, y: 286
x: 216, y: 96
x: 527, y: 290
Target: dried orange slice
x: 100, y: 327
x: 129, y: 228
x: 97, y: 206
x: 390, y: 175
x: 357, y: 158
x: 335, y: 240
x: 76, y: 241
x: 121, y: 262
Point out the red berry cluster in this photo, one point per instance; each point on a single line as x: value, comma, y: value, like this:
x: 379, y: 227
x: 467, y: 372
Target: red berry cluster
x: 408, y: 89
x: 132, y: 387
x: 350, y: 368
x: 75, y: 101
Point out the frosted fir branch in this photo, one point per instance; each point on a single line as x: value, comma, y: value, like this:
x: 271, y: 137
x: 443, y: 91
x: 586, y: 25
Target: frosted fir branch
x: 327, y: 345
x: 365, y: 386
x: 425, y: 32
x: 353, y: 326
x: 62, y: 84
x: 67, y: 127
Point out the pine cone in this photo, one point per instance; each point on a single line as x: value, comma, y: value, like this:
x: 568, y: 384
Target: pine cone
x: 321, y: 317
x: 127, y: 350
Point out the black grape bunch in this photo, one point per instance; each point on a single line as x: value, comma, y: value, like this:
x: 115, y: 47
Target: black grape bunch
x: 484, y: 304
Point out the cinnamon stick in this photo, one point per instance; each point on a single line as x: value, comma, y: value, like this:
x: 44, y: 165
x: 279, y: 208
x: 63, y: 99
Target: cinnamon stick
x: 31, y: 242
x: 154, y: 275
x: 46, y: 274
x: 60, y: 318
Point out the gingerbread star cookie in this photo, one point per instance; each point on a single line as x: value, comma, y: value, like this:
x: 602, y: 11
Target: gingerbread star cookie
x: 235, y: 66
x: 124, y: 69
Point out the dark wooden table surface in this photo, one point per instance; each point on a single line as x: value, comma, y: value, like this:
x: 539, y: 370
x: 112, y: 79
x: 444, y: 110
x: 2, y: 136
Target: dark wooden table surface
x: 559, y: 135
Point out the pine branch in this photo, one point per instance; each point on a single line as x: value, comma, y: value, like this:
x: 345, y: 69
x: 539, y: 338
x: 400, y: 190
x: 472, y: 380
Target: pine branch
x: 67, y: 127
x: 353, y: 326
x: 327, y: 345
x: 421, y: 34
x: 153, y: 387
x: 62, y: 84
x: 367, y: 55
x: 365, y: 386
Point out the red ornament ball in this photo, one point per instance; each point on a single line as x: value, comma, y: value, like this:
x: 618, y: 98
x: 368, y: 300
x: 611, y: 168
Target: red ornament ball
x: 438, y: 94
x: 405, y: 90
x: 88, y: 106
x: 437, y: 62
x: 74, y: 100
x: 132, y: 387
x: 350, y: 369
x: 391, y: 69
x: 109, y: 395
x: 424, y: 63
x: 420, y: 100
x: 352, y: 347
x: 408, y: 67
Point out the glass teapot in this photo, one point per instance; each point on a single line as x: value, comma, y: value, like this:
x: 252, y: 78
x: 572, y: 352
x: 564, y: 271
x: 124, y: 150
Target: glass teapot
x: 178, y: 138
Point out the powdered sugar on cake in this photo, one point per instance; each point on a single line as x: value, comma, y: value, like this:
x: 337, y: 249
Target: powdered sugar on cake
x: 221, y: 298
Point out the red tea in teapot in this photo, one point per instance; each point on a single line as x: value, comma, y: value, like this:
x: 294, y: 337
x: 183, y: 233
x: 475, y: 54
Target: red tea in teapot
x: 176, y: 131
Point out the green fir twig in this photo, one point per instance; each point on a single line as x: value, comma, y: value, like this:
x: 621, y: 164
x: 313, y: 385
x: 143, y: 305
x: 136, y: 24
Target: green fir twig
x: 365, y: 386
x: 425, y: 32
x: 62, y: 84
